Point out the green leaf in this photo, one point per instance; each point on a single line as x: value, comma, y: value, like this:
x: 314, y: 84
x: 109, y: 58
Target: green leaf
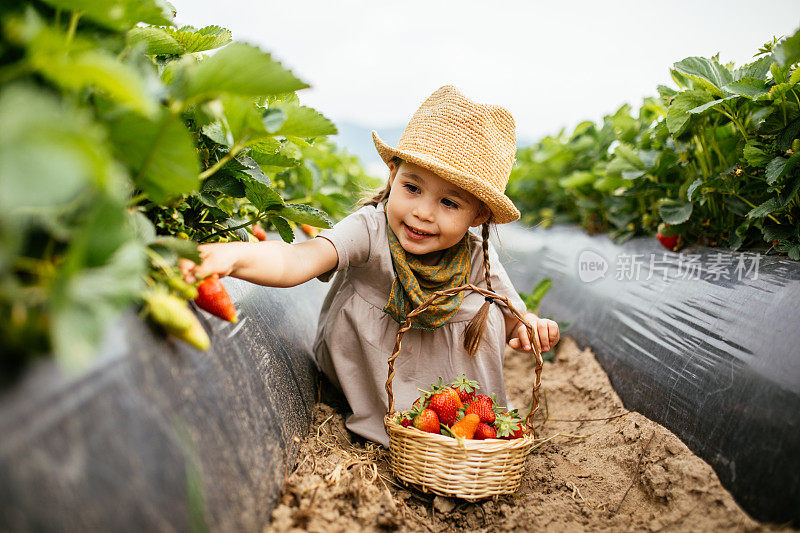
x: 736, y: 206
x: 791, y: 191
x: 700, y: 109
x: 755, y: 156
x: 765, y: 208
x: 160, y: 153
x: 171, y: 248
x: 242, y: 119
x: 707, y: 72
x: 49, y: 151
x: 303, y: 121
x: 611, y: 183
x: 155, y: 40
x: 777, y: 233
x: 194, y: 40
x: 87, y: 300
x: 261, y: 195
x: 283, y: 227
x: 101, y: 71
x: 305, y: 214
x: 758, y: 69
x: 787, y: 52
x: 750, y: 87
x: 693, y: 187
x: 226, y: 183
x: 240, y: 69
x: 576, y: 179
x: 780, y: 166
x: 270, y: 152
x: 119, y: 15
x: 678, y: 112
x: 675, y: 212
x: 629, y: 154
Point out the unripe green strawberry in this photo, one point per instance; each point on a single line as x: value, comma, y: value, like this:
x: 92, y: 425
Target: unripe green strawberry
x: 186, y: 290
x: 169, y: 311
x: 172, y: 314
x: 195, y: 335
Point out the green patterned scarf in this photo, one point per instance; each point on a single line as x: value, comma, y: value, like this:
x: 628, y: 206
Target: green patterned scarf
x: 416, y: 282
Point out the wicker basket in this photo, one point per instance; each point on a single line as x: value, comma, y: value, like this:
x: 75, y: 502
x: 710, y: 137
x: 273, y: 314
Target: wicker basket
x: 473, y: 469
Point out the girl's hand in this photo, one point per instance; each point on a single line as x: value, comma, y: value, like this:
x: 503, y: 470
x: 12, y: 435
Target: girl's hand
x: 217, y: 258
x: 545, y: 330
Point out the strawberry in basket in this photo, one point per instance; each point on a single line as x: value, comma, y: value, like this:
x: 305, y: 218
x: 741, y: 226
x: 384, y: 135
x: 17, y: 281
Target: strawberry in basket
x: 446, y: 403
x: 509, y: 425
x: 465, y: 388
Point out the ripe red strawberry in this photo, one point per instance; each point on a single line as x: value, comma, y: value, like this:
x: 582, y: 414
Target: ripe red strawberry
x: 259, y: 233
x: 509, y: 425
x: 483, y: 398
x: 427, y: 421
x: 465, y: 388
x: 667, y: 236
x: 446, y: 402
x: 405, y: 418
x: 483, y: 409
x: 485, y: 431
x: 212, y: 296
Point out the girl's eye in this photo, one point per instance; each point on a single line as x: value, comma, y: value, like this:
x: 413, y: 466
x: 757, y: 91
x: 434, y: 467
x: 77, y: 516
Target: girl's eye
x: 449, y: 203
x: 411, y: 188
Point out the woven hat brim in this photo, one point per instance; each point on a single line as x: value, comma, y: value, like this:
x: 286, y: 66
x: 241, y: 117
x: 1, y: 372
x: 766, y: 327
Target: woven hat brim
x: 502, y: 207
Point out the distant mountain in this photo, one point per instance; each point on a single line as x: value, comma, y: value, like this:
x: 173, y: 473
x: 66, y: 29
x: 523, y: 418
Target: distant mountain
x: 357, y: 140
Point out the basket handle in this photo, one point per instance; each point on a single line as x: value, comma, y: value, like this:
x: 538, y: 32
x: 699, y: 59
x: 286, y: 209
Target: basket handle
x: 498, y: 299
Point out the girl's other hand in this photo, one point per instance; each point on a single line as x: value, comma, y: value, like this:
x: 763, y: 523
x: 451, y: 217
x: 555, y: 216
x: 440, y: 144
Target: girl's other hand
x: 217, y: 258
x: 546, y: 332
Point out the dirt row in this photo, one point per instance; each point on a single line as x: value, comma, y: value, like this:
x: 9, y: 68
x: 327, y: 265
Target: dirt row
x: 599, y: 468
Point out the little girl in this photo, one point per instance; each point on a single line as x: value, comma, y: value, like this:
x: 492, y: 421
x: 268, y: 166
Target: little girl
x: 448, y: 173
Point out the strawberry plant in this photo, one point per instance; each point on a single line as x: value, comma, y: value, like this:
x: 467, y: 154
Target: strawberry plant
x: 126, y: 141
x: 714, y: 159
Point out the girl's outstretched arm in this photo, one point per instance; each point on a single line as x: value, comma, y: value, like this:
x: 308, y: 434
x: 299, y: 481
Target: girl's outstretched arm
x: 271, y: 263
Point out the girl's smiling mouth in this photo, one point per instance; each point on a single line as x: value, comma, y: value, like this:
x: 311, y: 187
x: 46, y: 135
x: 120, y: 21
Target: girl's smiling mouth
x: 416, y: 234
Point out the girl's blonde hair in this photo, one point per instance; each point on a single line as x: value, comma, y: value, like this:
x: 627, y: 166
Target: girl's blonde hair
x: 473, y: 332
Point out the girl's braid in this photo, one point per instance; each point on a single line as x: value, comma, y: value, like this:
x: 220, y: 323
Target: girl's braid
x: 474, y: 330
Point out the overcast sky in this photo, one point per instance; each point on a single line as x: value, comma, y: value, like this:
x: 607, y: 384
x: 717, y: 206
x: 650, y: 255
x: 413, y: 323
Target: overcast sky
x: 551, y: 64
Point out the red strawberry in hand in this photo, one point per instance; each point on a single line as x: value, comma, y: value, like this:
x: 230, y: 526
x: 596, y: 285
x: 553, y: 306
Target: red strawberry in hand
x: 212, y: 296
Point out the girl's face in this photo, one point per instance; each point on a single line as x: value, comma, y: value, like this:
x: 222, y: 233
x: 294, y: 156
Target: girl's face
x: 427, y: 213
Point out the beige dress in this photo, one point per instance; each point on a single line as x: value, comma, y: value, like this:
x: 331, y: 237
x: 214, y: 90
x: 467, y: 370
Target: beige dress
x: 355, y: 337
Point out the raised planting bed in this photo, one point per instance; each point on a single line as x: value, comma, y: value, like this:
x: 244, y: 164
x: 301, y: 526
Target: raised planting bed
x: 159, y: 436
x: 705, y: 342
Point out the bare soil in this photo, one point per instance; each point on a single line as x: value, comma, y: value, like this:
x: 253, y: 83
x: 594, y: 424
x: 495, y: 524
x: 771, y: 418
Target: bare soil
x: 602, y: 469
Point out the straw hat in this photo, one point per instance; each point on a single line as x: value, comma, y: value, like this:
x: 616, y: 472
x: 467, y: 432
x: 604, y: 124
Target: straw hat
x: 469, y: 144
